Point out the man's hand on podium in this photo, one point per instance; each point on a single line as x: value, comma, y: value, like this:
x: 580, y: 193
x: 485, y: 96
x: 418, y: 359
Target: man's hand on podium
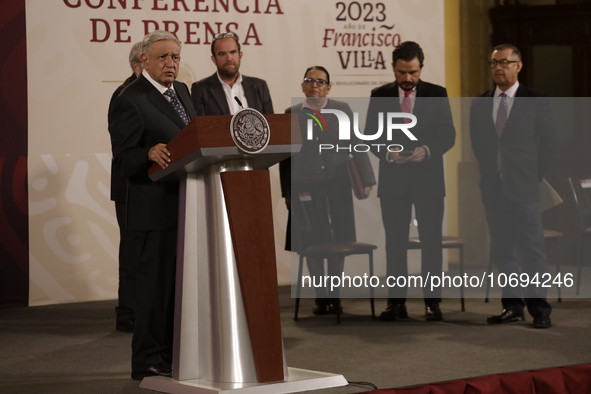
x: 159, y: 155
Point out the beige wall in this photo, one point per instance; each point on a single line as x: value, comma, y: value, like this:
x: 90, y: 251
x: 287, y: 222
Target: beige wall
x: 476, y: 79
x: 453, y: 74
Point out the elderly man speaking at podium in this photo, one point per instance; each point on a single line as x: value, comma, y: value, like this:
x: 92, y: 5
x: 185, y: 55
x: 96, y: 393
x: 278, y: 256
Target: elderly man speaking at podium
x: 146, y: 116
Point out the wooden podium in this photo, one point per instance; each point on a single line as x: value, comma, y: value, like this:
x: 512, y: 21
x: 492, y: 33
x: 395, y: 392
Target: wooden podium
x: 227, y: 332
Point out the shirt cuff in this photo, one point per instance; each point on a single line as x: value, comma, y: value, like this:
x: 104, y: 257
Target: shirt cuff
x: 388, y: 158
x: 428, y: 151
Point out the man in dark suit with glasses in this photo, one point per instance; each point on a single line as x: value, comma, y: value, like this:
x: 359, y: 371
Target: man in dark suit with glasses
x: 514, y: 138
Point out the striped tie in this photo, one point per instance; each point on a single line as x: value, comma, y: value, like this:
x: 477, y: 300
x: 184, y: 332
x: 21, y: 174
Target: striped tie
x: 176, y: 103
x: 500, y: 126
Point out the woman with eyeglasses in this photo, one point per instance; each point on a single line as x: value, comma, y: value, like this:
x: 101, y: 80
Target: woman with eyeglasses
x: 320, y: 179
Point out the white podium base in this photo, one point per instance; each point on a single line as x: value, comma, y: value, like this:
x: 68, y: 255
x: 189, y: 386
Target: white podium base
x: 299, y: 380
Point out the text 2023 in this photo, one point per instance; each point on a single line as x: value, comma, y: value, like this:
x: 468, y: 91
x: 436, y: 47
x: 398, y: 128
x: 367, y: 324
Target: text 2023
x: 356, y: 10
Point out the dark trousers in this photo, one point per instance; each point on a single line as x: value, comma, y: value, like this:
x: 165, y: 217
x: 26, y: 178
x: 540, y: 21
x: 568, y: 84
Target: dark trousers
x: 396, y: 215
x: 152, y: 339
x: 128, y: 262
x: 518, y: 227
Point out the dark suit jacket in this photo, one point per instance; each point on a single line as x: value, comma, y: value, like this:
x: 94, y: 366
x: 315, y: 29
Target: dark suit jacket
x: 310, y: 166
x: 118, y: 181
x: 140, y: 118
x: 527, y: 145
x: 434, y: 129
x: 209, y: 97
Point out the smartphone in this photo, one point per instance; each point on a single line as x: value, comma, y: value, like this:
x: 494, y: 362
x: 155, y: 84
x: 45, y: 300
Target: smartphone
x: 405, y: 153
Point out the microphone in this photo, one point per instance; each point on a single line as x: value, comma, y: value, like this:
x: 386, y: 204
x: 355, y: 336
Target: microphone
x: 238, y: 101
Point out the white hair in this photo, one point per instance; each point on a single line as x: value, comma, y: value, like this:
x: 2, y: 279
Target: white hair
x: 158, y: 35
x: 135, y: 55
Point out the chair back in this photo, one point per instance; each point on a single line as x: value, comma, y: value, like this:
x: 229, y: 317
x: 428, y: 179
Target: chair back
x: 582, y: 197
x: 311, y: 220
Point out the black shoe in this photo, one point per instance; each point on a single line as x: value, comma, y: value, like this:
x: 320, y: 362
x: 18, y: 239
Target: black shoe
x: 394, y: 312
x: 507, y: 316
x: 335, y: 306
x: 125, y: 325
x: 433, y: 313
x: 152, y: 371
x: 402, y: 313
x: 321, y: 306
x: 542, y: 320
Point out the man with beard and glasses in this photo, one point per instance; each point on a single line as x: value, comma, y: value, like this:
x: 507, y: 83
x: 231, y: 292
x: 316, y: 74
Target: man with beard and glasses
x: 413, y: 178
x: 215, y: 95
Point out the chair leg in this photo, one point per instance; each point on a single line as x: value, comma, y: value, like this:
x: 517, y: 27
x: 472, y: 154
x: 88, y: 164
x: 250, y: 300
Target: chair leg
x: 579, y: 257
x: 297, y: 307
x: 371, y: 293
x: 558, y: 265
x: 338, y: 306
x: 490, y: 266
x: 298, y: 288
x: 462, y: 275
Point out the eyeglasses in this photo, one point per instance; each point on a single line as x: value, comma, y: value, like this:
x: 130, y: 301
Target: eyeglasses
x: 504, y: 63
x: 229, y: 34
x: 319, y: 82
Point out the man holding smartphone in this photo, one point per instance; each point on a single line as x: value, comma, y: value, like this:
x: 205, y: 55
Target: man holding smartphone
x: 413, y: 175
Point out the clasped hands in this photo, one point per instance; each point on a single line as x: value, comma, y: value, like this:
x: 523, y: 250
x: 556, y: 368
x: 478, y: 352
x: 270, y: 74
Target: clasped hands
x: 418, y: 155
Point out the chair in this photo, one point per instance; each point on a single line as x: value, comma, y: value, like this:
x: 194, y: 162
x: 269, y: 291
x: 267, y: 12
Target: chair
x: 312, y: 218
x: 447, y: 242
x: 582, y: 197
x: 548, y: 235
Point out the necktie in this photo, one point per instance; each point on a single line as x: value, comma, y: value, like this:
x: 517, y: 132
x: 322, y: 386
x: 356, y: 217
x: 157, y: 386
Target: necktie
x: 406, y: 104
x: 500, y: 126
x: 176, y: 103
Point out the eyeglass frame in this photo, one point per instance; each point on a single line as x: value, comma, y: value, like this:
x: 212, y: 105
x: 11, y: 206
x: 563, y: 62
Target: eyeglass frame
x: 319, y: 82
x: 219, y: 36
x: 495, y: 63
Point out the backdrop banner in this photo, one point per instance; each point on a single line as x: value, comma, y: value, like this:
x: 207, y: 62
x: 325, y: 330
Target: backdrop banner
x: 77, y: 55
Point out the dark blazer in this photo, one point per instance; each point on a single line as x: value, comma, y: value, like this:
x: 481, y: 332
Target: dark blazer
x: 310, y: 166
x: 140, y: 118
x: 118, y: 181
x: 209, y: 97
x: 434, y: 129
x: 527, y: 145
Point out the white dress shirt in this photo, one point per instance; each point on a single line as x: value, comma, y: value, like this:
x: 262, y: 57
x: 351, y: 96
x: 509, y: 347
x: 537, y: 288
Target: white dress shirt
x: 235, y: 90
x: 161, y: 88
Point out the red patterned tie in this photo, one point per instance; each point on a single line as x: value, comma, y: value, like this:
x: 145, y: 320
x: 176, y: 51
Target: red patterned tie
x: 406, y: 104
x: 500, y: 126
